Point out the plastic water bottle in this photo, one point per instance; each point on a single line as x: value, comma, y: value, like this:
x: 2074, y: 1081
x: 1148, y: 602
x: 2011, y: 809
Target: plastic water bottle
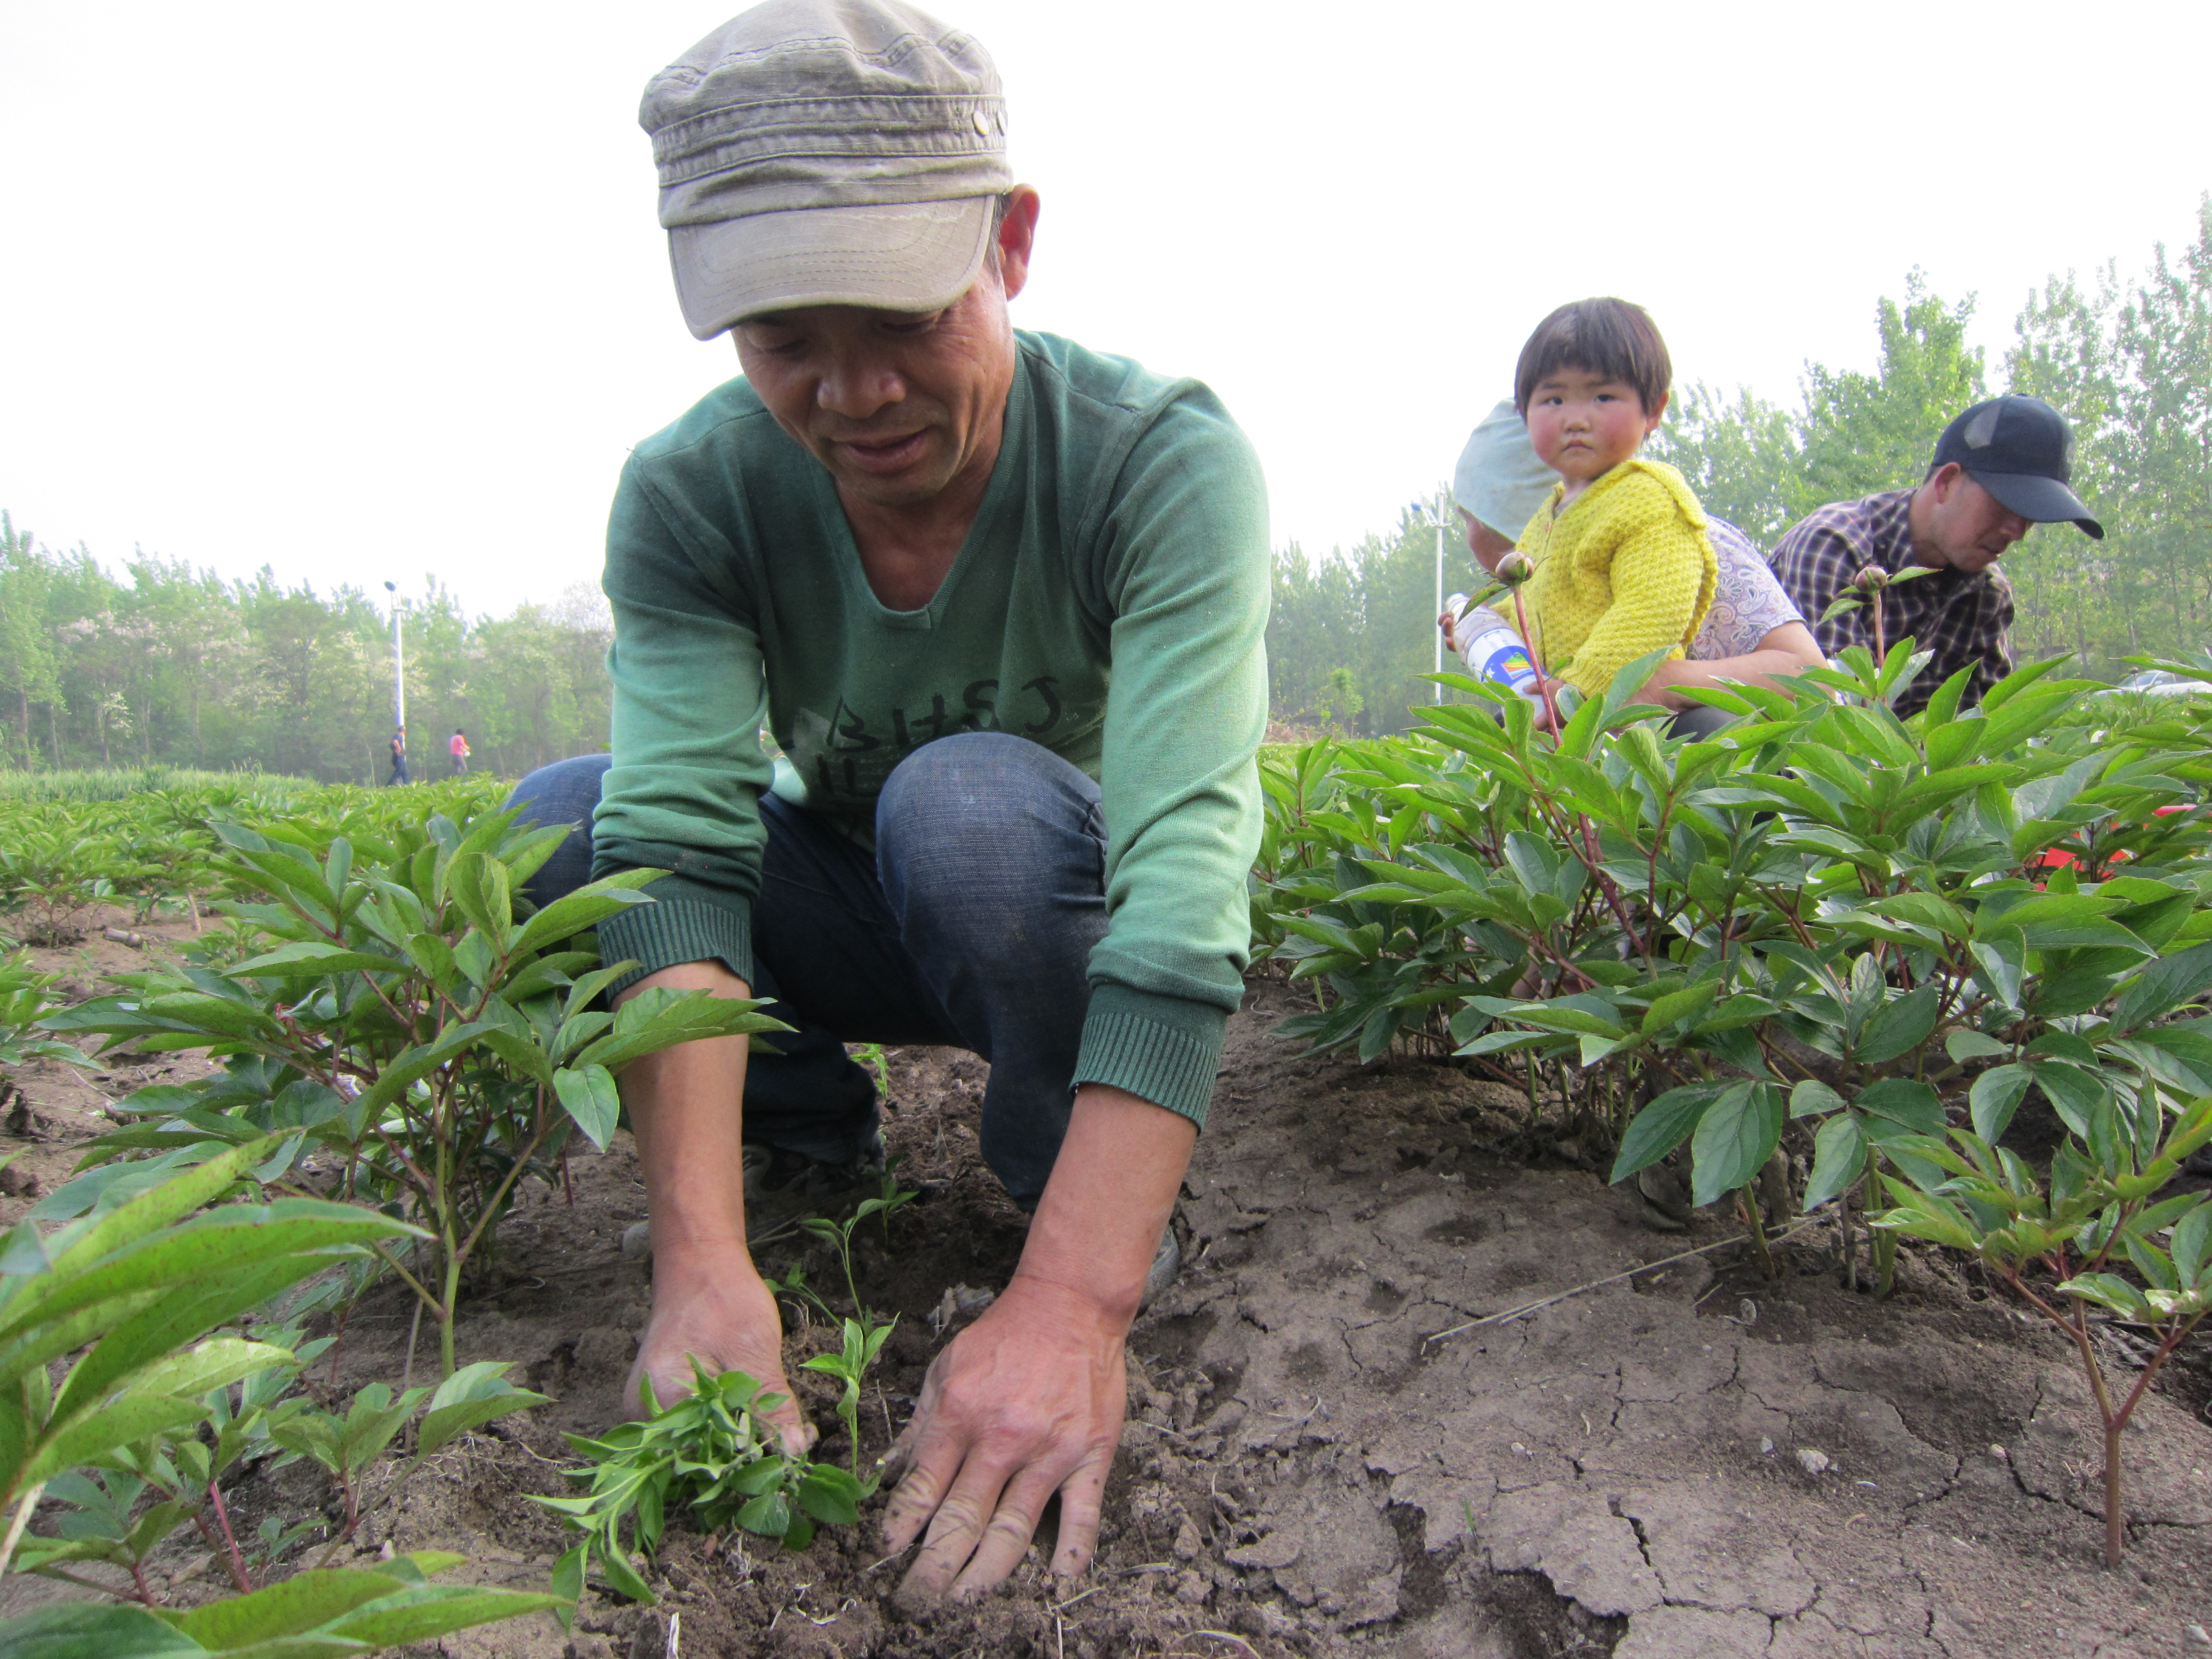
x: 1492, y: 650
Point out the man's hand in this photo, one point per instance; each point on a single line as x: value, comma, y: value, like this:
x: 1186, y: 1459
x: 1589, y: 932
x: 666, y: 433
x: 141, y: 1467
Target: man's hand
x: 720, y: 1311
x: 686, y: 1111
x: 1028, y: 1402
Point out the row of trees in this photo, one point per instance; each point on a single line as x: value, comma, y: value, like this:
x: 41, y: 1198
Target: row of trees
x: 2128, y: 362
x: 173, y: 665
x: 176, y: 665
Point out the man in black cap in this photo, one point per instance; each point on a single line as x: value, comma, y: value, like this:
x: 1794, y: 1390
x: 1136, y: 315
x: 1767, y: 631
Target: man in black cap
x: 2000, y: 466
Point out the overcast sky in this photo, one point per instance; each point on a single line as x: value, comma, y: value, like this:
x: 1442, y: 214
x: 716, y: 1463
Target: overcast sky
x: 365, y: 292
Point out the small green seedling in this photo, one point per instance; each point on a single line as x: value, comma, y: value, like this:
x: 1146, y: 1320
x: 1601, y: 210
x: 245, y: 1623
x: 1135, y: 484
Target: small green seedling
x: 715, y: 1453
x: 348, y: 1447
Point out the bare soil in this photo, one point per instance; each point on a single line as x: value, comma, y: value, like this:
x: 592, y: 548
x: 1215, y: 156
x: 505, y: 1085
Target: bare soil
x: 1692, y: 1462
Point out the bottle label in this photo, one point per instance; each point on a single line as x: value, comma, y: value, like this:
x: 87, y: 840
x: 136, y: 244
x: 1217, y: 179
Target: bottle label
x: 1498, y: 655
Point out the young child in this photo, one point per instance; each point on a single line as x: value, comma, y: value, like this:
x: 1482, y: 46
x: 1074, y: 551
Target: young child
x: 1623, y: 563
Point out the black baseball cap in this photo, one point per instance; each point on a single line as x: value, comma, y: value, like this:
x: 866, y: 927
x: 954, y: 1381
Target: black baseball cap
x: 2021, y: 451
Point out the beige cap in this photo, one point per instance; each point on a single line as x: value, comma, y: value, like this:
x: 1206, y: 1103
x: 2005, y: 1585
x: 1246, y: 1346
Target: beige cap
x: 827, y: 152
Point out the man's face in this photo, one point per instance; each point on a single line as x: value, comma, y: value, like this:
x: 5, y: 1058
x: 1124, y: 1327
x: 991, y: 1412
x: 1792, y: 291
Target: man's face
x: 1583, y: 424
x: 1968, y: 528
x: 896, y: 404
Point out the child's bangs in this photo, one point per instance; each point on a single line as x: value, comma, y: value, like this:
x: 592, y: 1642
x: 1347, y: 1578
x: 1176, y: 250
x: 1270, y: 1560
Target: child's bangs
x: 1608, y: 337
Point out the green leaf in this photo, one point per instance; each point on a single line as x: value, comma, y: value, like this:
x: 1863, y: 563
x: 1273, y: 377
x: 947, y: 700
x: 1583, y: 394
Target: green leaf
x: 97, y: 1434
x: 423, y: 1612
x: 569, y: 1582
x: 1903, y: 1101
x: 2108, y: 1290
x: 2187, y: 1245
x: 1995, y: 1095
x: 623, y: 1578
x: 471, y: 1396
x: 213, y: 1363
x: 311, y: 959
x: 586, y: 907
x: 1899, y: 1027
x: 1678, y: 1005
x: 1662, y: 1126
x: 1963, y: 1045
x: 1734, y: 1139
x: 659, y: 1018
x: 1839, y: 1159
x: 2003, y: 958
x: 589, y: 1096
x: 415, y: 1064
x: 769, y: 1514
x: 1813, y: 1098
x: 2075, y: 1093
x: 2163, y: 985
x: 303, y: 1602
x: 89, y: 1630
x: 830, y: 1495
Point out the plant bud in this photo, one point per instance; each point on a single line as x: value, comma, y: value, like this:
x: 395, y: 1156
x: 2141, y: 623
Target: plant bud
x: 1871, y: 580
x: 1515, y: 569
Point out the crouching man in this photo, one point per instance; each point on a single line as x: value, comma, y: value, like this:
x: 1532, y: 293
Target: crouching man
x: 1000, y: 601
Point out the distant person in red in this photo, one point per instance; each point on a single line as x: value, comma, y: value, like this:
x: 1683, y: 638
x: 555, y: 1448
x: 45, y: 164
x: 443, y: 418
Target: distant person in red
x: 458, y: 747
x: 399, y: 757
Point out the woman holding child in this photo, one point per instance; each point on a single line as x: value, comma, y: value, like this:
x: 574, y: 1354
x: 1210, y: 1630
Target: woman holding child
x: 1625, y: 560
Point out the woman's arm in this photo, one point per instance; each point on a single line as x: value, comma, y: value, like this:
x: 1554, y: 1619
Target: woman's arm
x: 1789, y: 649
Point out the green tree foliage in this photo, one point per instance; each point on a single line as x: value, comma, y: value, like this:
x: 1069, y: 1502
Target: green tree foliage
x: 1739, y: 456
x: 172, y: 665
x: 1367, y: 612
x: 1863, y: 433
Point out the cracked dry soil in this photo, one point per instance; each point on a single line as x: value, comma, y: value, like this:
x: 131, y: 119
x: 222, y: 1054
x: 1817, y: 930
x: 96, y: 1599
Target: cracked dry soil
x: 1305, y: 1473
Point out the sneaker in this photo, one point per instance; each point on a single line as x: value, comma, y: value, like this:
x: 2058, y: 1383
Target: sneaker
x: 1665, y: 1199
x: 782, y: 1187
x: 1167, y: 1263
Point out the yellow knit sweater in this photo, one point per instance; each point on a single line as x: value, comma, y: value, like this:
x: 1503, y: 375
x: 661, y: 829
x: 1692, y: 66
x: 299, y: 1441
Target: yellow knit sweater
x: 1626, y: 568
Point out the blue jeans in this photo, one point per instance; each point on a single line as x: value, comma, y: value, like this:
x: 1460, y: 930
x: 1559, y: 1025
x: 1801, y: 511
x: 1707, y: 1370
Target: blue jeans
x: 970, y: 926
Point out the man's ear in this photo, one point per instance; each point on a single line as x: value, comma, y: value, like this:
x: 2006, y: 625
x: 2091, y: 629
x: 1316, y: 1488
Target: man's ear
x: 1943, y: 482
x: 1017, y: 238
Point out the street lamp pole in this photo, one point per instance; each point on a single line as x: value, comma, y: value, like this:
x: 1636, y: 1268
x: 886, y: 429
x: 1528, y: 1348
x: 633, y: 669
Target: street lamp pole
x: 1436, y: 655
x: 399, y: 676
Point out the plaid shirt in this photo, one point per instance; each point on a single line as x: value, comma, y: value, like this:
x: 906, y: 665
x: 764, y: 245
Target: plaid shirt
x: 1965, y: 620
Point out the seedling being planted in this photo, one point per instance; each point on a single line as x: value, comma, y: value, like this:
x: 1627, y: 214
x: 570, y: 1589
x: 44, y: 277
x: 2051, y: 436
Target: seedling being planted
x: 716, y: 1453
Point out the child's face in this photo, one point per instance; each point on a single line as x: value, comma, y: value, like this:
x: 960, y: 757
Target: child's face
x: 1583, y: 424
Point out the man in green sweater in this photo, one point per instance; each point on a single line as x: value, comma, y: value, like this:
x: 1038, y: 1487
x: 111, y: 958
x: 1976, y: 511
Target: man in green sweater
x: 1000, y: 601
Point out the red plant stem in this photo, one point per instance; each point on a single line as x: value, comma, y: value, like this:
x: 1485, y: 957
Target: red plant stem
x: 1880, y: 648
x: 1543, y: 680
x: 237, y: 1560
x: 138, y: 1577
x: 215, y: 1546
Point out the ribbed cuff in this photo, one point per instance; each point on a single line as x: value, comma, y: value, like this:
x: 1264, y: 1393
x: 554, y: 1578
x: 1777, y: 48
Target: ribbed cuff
x: 1162, y: 1049
x: 683, y: 924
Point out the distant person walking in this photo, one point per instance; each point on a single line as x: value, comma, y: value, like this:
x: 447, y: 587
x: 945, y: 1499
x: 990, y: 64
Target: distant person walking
x: 458, y: 747
x: 398, y: 758
x: 2003, y: 465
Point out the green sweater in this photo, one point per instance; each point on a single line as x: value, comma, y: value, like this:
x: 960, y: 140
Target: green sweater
x: 1109, y: 603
